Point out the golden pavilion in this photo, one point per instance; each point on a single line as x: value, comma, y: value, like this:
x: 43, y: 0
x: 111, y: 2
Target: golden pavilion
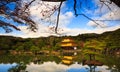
x: 68, y: 44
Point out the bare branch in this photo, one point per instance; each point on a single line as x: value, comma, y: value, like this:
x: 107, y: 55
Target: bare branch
x: 58, y: 16
x: 75, y: 1
x: 7, y: 24
x: 26, y: 6
x: 106, y: 4
x: 90, y: 19
x: 106, y: 20
x: 51, y: 11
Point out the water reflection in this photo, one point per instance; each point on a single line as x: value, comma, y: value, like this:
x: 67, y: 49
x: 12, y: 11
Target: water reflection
x: 41, y: 63
x: 6, y: 67
x: 46, y: 67
x: 53, y: 67
x: 21, y: 67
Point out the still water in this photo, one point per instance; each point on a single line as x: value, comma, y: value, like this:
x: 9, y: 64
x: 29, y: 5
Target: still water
x: 53, y: 67
x: 51, y: 63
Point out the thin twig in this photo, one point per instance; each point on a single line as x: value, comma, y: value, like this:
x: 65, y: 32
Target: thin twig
x: 26, y: 7
x: 106, y: 4
x: 90, y: 19
x: 106, y: 20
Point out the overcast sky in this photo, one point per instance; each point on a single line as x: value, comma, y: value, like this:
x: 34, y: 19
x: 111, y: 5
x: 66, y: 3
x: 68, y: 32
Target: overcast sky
x: 69, y: 24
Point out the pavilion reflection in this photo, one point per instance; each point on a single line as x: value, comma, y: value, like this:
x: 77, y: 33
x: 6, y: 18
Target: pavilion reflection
x: 69, y: 51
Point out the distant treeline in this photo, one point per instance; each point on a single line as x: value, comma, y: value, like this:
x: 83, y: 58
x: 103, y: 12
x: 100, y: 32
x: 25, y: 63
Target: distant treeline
x: 110, y: 39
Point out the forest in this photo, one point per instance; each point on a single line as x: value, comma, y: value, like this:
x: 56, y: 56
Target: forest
x: 108, y: 42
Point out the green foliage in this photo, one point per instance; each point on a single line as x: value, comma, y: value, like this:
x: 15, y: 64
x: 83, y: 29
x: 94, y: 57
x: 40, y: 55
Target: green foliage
x: 20, y: 48
x: 34, y: 49
x: 92, y: 47
x: 109, y: 40
x: 28, y: 45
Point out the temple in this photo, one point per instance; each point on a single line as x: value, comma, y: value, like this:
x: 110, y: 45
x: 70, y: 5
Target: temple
x: 68, y: 44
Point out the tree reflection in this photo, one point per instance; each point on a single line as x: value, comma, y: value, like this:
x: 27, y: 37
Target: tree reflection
x: 92, y: 65
x: 18, y: 68
x: 113, y: 63
x: 92, y: 68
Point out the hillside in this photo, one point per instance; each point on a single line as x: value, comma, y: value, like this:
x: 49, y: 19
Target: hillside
x: 111, y: 39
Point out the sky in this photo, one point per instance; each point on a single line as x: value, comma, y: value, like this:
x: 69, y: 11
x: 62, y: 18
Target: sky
x: 69, y: 24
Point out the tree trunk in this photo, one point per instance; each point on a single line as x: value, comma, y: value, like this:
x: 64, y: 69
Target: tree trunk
x: 90, y: 57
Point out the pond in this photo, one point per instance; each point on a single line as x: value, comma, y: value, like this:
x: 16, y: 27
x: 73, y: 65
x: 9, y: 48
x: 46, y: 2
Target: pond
x: 51, y: 63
